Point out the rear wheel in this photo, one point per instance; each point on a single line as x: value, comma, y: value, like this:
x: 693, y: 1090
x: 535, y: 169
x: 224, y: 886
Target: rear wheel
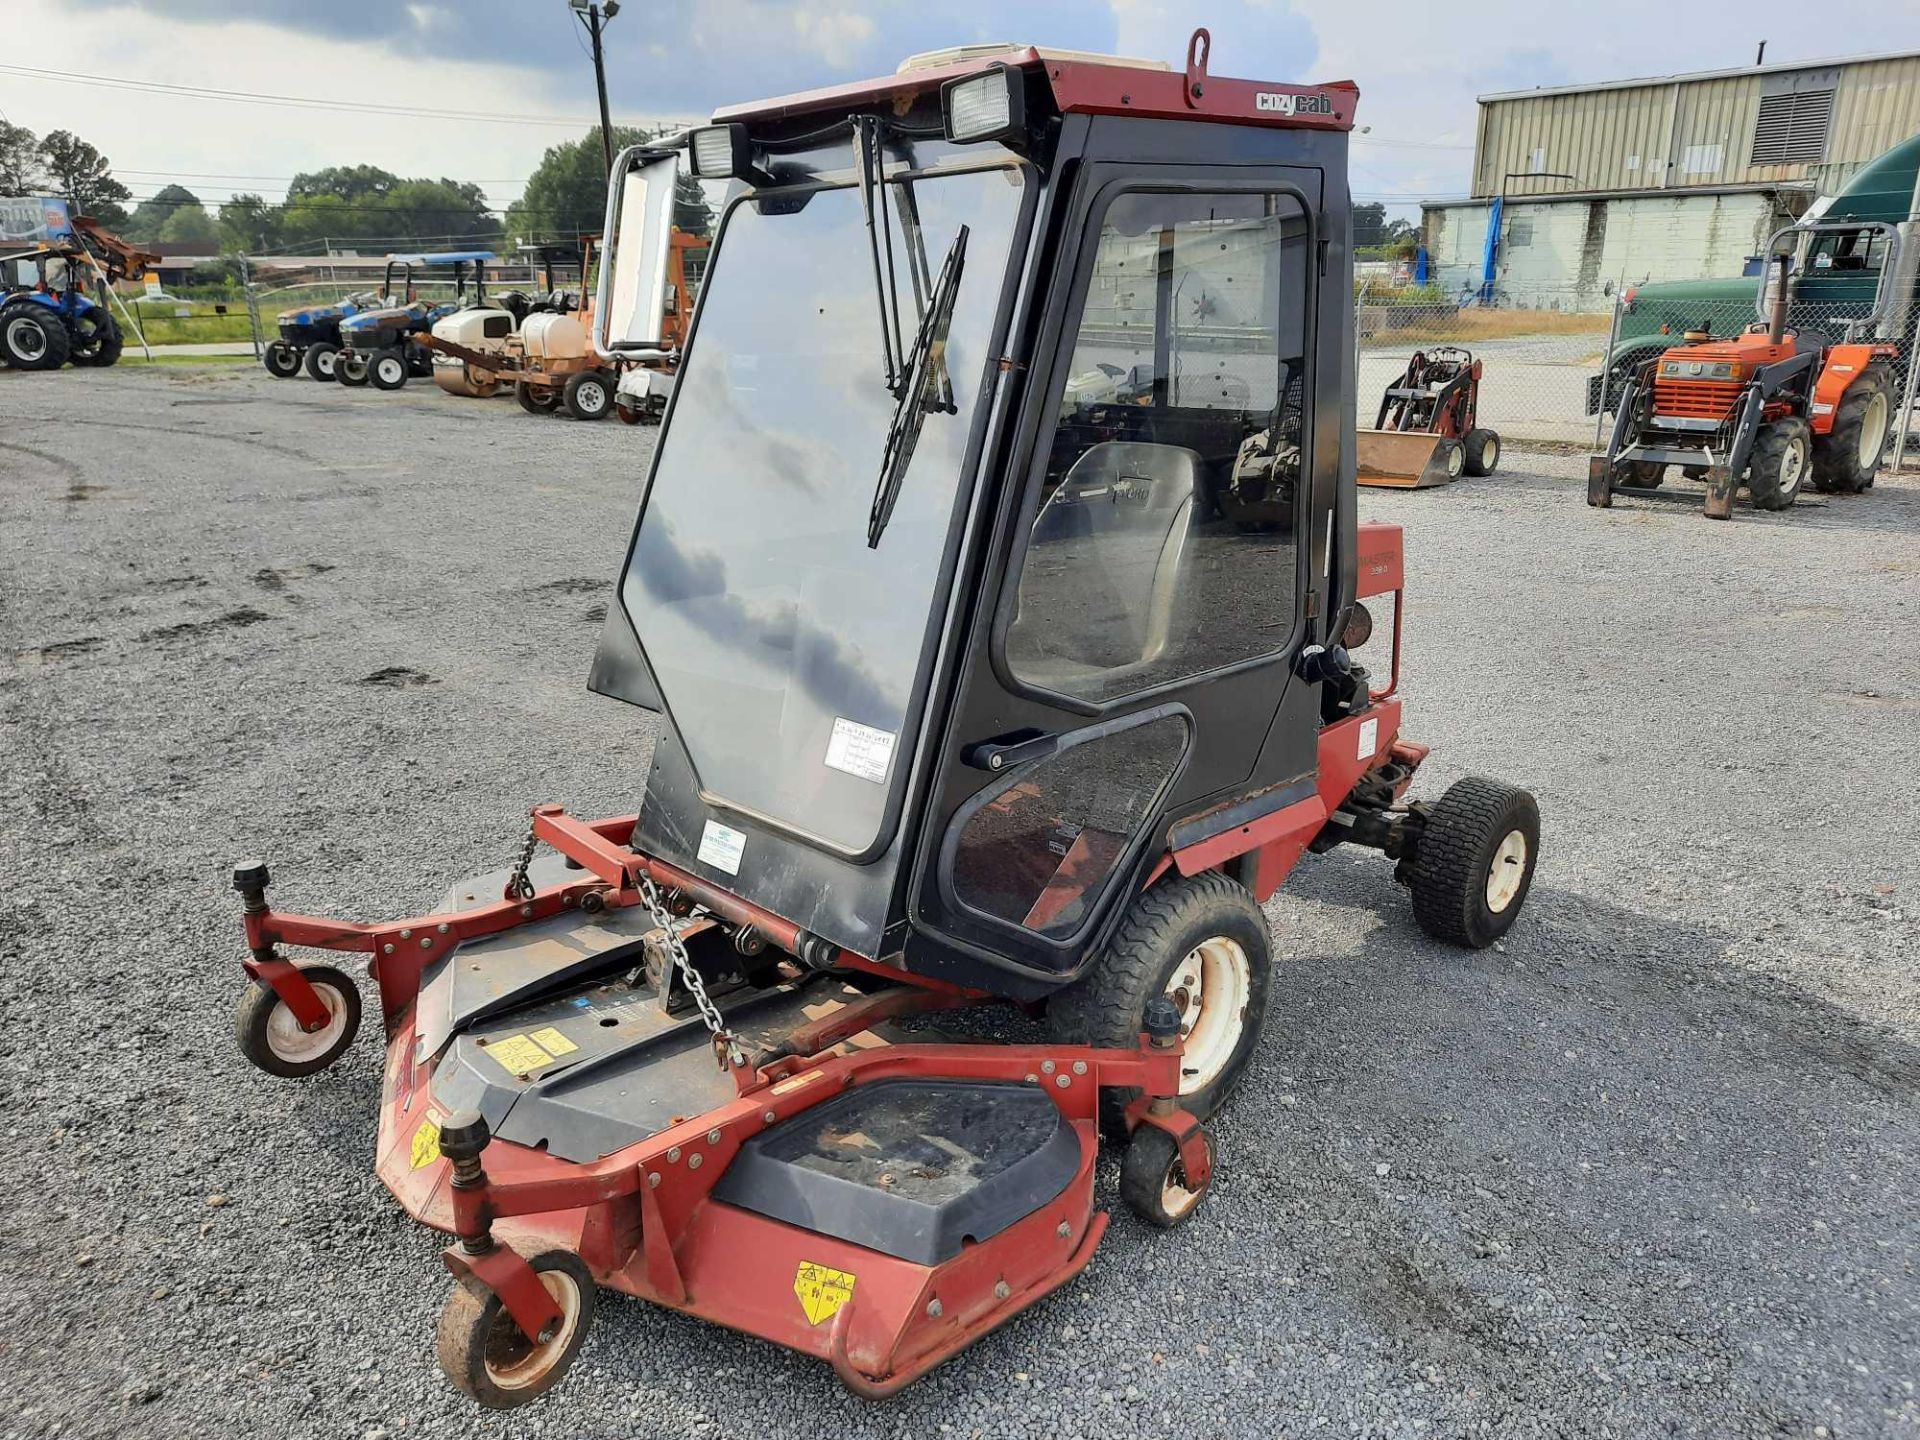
x: 1201, y: 942
x: 627, y: 413
x: 350, y: 369
x: 321, y: 359
x: 1782, y: 459
x: 1646, y: 474
x: 536, y: 400
x: 589, y: 395
x: 388, y: 370
x: 485, y: 1352
x: 1845, y: 459
x: 282, y: 360
x: 32, y: 338
x: 1473, y: 864
x: 1483, y: 452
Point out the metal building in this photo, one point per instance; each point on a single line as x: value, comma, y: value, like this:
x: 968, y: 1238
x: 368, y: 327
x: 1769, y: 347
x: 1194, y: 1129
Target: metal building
x: 1671, y: 177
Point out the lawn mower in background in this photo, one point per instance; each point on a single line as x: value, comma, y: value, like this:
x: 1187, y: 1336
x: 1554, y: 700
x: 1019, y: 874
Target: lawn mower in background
x: 1428, y: 431
x: 382, y: 347
x: 967, y: 692
x: 310, y: 336
x: 1770, y: 409
x: 54, y: 318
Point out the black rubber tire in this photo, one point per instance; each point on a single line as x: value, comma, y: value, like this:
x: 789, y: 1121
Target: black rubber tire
x: 1150, y: 1169
x: 1457, y: 847
x: 1483, y: 452
x: 536, y: 399
x: 254, y: 1012
x: 102, y: 347
x: 1644, y: 474
x: 1773, y: 477
x: 23, y: 352
x: 419, y: 362
x: 282, y: 360
x: 628, y: 415
x: 388, y: 370
x: 589, y: 395
x: 1837, y: 468
x: 475, y: 1327
x: 1693, y: 472
x: 351, y: 370
x: 1107, y: 1004
x: 320, y: 360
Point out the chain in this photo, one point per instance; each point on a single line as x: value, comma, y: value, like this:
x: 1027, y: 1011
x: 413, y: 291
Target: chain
x: 725, y: 1047
x: 519, y: 887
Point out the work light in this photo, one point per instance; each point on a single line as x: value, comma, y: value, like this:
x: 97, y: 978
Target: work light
x: 721, y: 152
x: 988, y: 106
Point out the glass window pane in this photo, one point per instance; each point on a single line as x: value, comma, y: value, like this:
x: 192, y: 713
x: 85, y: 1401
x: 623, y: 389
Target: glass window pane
x: 1040, y: 851
x: 1163, y: 546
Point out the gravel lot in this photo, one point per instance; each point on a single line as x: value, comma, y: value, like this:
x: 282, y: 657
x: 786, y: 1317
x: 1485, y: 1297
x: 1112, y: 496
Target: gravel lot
x: 1649, y: 1167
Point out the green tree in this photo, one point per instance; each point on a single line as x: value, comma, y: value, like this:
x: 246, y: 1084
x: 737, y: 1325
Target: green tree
x: 248, y: 223
x: 190, y: 229
x: 20, y: 161
x: 82, y: 174
x: 150, y: 217
x: 349, y: 182
x: 1369, y: 224
x: 567, y: 193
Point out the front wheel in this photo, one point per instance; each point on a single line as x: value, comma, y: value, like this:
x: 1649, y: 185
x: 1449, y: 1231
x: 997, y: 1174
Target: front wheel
x: 1646, y: 474
x: 1153, y: 1178
x: 1472, y: 864
x: 485, y: 1352
x: 350, y: 369
x: 277, y: 1043
x: 321, y: 359
x: 283, y: 361
x: 589, y: 395
x: 1202, y: 942
x: 388, y: 371
x: 1782, y: 459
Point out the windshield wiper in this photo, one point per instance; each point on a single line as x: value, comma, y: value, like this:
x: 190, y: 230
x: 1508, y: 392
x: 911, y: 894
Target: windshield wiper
x: 924, y: 388
x: 886, y: 289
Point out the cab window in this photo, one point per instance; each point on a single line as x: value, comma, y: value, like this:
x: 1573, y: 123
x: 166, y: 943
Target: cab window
x: 1163, y: 546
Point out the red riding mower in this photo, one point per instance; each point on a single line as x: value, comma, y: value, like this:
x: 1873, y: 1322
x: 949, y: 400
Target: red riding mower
x: 971, y: 692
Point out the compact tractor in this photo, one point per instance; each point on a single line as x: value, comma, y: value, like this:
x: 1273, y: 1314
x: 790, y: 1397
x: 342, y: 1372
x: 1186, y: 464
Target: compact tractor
x: 1428, y: 430
x: 969, y: 692
x: 309, y: 336
x: 55, y: 320
x: 384, y: 345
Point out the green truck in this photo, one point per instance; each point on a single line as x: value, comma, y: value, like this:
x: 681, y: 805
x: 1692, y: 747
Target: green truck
x: 1855, y: 275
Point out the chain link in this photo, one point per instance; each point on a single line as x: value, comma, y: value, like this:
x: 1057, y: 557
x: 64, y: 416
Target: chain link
x: 519, y: 887
x: 725, y: 1047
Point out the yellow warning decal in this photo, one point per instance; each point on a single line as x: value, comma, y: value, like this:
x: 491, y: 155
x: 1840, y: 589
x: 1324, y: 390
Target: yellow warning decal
x: 553, y: 1042
x: 426, y: 1144
x: 520, y: 1054
x: 822, y: 1290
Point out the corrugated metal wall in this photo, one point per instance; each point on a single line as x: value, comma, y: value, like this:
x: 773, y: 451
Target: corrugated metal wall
x: 1667, y: 134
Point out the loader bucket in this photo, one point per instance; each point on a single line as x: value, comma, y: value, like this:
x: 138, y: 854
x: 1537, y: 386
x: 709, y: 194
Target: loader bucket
x: 1401, y: 460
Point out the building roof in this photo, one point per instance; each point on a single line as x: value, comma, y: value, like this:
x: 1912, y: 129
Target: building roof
x: 1687, y: 76
x: 1633, y: 192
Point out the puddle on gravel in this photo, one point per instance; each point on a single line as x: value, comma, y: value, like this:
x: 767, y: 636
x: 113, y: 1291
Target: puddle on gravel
x: 232, y: 620
x: 269, y: 578
x: 60, y: 649
x: 574, y: 585
x: 397, y: 677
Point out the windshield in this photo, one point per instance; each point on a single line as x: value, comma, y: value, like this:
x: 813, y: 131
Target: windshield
x: 788, y: 651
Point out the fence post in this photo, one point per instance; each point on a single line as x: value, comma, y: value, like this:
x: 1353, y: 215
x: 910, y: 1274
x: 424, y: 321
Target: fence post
x: 1904, y: 415
x: 253, y: 306
x: 1606, y: 367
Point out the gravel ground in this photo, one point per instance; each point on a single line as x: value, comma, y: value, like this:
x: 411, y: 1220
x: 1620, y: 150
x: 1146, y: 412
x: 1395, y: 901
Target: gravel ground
x: 1648, y: 1167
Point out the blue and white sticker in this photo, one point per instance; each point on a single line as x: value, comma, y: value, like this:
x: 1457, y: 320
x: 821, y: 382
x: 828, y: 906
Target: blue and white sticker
x: 721, y: 846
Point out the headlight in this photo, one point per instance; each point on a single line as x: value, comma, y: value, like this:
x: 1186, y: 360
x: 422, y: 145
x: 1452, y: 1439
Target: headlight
x: 720, y: 152
x: 989, y: 106
x: 1359, y: 627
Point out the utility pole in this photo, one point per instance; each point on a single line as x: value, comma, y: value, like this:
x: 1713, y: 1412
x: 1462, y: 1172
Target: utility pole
x: 594, y: 14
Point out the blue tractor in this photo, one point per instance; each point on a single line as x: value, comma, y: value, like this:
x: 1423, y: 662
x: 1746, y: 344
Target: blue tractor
x: 47, y: 316
x: 379, y: 346
x: 310, y: 336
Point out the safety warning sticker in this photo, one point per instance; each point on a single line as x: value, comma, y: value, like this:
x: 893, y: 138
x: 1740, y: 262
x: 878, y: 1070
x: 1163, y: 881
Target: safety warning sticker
x: 426, y: 1144
x: 553, y: 1042
x: 822, y: 1290
x: 721, y: 847
x: 519, y: 1054
x: 860, y: 750
x: 1369, y: 738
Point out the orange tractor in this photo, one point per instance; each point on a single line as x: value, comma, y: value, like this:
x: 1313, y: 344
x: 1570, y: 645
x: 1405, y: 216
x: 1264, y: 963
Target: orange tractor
x: 1770, y: 409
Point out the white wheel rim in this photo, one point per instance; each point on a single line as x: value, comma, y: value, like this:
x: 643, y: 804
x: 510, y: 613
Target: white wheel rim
x: 532, y: 1367
x: 1211, y: 987
x: 28, y: 339
x: 1792, y: 463
x: 1508, y: 869
x: 1489, y: 452
x: 296, y: 1046
x: 1176, y: 1198
x: 1873, y: 431
x: 592, y: 397
x: 1456, y: 460
x: 392, y: 369
x: 328, y: 359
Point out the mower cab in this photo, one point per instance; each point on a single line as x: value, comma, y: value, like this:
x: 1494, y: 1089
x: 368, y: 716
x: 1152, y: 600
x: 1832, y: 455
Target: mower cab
x: 975, y: 687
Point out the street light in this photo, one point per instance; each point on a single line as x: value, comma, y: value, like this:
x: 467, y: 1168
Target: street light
x: 594, y: 14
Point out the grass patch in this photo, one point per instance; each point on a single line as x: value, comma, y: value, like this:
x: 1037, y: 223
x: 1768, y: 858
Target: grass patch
x: 1466, y: 326
x: 132, y: 356
x: 162, y: 324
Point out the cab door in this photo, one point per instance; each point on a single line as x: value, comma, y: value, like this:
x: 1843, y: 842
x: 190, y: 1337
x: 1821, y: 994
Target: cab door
x: 1145, y: 598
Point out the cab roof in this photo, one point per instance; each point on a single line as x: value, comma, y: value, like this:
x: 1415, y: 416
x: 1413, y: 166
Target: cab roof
x: 1088, y: 84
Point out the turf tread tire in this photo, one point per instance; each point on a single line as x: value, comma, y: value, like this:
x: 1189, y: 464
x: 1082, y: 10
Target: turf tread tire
x: 1448, y: 870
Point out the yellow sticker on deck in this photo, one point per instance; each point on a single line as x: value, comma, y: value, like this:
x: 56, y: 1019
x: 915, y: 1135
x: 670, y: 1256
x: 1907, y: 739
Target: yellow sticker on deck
x: 519, y: 1054
x: 553, y: 1042
x: 426, y: 1144
x: 822, y: 1290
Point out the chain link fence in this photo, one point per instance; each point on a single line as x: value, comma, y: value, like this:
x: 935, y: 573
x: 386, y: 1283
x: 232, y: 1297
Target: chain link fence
x: 1543, y: 362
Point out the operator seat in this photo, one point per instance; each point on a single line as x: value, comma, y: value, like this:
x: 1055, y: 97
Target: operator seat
x: 1101, y: 581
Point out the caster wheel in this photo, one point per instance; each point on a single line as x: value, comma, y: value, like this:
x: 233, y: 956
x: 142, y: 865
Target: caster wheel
x: 272, y: 1039
x: 486, y: 1354
x: 1154, y: 1183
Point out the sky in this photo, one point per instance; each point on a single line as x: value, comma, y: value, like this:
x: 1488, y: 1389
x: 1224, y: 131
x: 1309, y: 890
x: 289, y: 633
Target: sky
x: 524, y: 63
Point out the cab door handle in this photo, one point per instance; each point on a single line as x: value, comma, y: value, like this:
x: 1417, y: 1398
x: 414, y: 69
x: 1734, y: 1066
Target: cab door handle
x: 1007, y: 751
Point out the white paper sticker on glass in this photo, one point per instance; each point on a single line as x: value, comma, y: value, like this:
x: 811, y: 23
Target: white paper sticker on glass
x: 860, y: 750
x: 721, y: 847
